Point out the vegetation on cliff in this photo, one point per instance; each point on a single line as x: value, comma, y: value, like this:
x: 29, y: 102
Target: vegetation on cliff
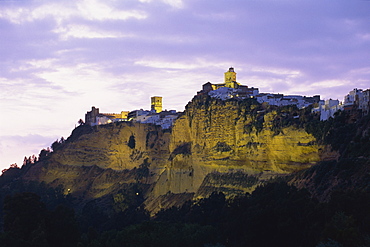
x: 349, y: 134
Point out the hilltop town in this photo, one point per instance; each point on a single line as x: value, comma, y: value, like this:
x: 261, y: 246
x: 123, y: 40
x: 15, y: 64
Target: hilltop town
x: 154, y: 116
x: 220, y: 160
x: 232, y: 89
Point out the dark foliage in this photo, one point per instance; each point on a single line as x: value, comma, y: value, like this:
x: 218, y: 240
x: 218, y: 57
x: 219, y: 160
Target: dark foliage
x: 27, y: 222
x: 57, y: 144
x: 279, y: 215
x: 79, y: 131
x: 275, y: 214
x: 347, y: 132
x: 154, y: 234
x: 44, y: 154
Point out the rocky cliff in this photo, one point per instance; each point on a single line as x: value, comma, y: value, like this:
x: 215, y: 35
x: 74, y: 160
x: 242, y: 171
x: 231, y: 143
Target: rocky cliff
x: 230, y: 146
x: 215, y: 145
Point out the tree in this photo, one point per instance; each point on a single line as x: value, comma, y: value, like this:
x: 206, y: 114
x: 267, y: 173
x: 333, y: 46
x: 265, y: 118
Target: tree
x: 44, y: 153
x: 24, y: 218
x: 11, y: 167
x: 62, y: 229
x: 27, y: 222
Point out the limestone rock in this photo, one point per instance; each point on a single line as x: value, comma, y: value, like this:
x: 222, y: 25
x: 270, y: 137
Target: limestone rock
x: 229, y: 146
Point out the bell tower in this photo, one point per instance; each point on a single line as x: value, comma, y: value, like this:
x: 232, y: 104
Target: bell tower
x: 230, y: 78
x: 156, y: 104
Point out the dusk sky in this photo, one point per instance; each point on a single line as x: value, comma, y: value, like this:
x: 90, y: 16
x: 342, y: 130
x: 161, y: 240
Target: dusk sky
x: 60, y: 58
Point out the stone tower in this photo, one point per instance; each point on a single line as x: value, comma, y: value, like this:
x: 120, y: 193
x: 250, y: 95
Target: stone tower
x: 230, y: 78
x: 90, y: 116
x: 156, y: 104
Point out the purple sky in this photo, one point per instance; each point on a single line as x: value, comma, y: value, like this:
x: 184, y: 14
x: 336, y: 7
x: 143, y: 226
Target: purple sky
x: 59, y: 58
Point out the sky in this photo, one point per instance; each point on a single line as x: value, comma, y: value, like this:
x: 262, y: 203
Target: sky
x: 60, y: 58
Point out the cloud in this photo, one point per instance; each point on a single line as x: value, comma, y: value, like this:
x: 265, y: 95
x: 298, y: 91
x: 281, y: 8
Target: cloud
x: 83, y: 31
x: 63, y: 11
x: 29, y: 92
x: 13, y: 149
x: 365, y: 37
x: 276, y: 71
x: 31, y: 13
x: 160, y: 64
x: 329, y: 84
x: 174, y: 3
x: 97, y: 10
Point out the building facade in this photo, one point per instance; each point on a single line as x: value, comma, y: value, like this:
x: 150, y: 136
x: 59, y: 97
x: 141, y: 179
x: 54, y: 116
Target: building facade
x: 154, y: 116
x: 156, y: 104
x: 358, y: 98
x: 94, y: 117
x: 328, y: 108
x: 233, y: 89
x: 229, y: 89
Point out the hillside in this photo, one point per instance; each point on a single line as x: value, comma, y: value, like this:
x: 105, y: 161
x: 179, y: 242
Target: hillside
x: 228, y: 146
x: 221, y: 161
x: 349, y: 134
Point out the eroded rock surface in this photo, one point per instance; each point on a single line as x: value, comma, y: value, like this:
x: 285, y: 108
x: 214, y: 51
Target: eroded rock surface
x: 229, y: 146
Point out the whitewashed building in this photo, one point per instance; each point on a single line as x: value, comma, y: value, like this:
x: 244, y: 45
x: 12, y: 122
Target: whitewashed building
x: 359, y: 98
x: 284, y: 100
x: 165, y: 118
x: 328, y: 108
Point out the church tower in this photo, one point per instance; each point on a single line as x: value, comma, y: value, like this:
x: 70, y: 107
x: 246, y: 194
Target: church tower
x: 230, y: 78
x: 156, y: 104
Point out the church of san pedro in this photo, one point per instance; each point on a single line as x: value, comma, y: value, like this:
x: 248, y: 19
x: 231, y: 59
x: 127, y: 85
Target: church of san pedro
x: 230, y: 86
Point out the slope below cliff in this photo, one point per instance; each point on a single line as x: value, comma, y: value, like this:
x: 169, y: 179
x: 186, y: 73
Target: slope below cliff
x: 349, y: 134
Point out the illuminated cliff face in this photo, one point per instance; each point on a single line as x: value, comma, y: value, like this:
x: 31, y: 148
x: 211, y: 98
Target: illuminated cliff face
x: 105, y: 158
x: 228, y: 146
x: 116, y: 146
x: 229, y: 136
